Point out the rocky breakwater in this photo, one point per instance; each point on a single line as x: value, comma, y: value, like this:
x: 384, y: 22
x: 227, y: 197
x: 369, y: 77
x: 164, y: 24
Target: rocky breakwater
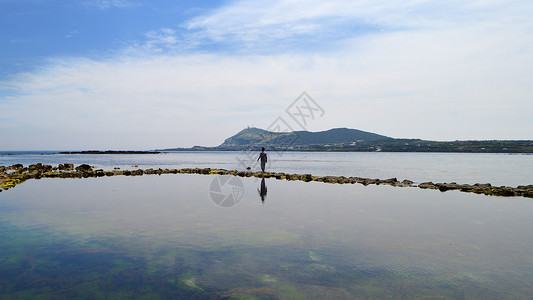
x: 16, y: 174
x: 478, y: 188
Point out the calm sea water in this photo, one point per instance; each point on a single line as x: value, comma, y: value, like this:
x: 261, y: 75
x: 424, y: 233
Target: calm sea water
x: 162, y: 237
x: 497, y: 169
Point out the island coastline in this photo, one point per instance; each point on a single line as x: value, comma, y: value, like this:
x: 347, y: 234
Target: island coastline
x: 110, y: 152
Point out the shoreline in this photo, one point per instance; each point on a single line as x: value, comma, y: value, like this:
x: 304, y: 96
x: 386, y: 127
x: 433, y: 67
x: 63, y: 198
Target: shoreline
x: 16, y: 174
x: 95, y: 152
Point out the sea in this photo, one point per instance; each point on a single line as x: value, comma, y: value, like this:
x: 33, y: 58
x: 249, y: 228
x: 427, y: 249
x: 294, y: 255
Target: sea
x: 464, y: 168
x: 192, y: 236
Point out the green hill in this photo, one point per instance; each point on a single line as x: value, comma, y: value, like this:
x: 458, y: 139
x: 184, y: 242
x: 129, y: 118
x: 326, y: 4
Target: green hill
x: 257, y: 137
x: 351, y: 140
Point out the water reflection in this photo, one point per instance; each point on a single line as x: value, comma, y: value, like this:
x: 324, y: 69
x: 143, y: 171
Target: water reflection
x: 262, y: 191
x: 161, y: 237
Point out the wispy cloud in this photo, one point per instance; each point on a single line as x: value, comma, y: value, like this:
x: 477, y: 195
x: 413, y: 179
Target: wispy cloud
x: 72, y: 34
x: 293, y: 25
x: 106, y: 4
x: 267, y: 20
x: 160, y: 40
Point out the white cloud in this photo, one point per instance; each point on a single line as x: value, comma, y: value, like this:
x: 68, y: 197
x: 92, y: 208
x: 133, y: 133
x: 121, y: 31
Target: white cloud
x: 253, y: 21
x: 447, y: 77
x: 160, y: 39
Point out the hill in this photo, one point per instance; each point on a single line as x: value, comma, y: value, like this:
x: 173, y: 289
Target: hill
x: 260, y: 137
x: 354, y: 140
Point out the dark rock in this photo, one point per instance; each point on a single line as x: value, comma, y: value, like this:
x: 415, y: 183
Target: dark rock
x: 443, y: 187
x: 525, y: 187
x: 483, y: 186
x: 329, y: 179
x: 342, y: 180
x: 66, y: 167
x: 292, y: 177
x: 504, y: 191
x: 39, y: 167
x: 465, y: 188
x: 356, y: 179
x: 426, y: 185
x: 307, y: 177
x: 406, y: 182
x: 64, y: 175
x: 84, y: 168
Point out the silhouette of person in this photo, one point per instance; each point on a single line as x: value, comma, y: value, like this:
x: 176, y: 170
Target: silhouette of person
x: 263, y: 158
x: 262, y: 191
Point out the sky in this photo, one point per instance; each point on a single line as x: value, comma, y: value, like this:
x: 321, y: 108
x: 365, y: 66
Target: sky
x: 140, y: 75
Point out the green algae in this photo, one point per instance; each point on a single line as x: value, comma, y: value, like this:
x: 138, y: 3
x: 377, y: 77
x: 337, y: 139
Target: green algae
x: 267, y: 279
x: 190, y: 282
x: 288, y: 291
x: 319, y: 267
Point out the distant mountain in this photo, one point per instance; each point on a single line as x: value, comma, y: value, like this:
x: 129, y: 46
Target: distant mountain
x: 257, y: 137
x: 351, y: 140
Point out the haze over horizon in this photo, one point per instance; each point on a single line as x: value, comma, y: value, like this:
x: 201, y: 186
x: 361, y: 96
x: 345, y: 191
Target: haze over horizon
x: 131, y: 75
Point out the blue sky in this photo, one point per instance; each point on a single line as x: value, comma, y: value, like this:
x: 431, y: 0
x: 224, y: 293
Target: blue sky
x: 34, y: 30
x: 126, y: 74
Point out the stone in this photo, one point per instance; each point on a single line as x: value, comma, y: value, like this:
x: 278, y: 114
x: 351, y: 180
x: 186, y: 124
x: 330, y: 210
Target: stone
x: 426, y: 185
x: 407, y: 182
x: 307, y: 177
x: 66, y: 167
x: 483, y: 186
x: 84, y: 168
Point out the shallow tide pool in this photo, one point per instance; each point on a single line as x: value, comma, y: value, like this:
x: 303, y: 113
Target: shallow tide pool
x: 165, y: 237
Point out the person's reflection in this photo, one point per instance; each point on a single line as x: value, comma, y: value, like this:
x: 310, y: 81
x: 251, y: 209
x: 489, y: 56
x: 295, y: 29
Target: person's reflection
x: 262, y: 191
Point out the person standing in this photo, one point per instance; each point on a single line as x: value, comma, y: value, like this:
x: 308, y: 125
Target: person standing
x: 263, y: 158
